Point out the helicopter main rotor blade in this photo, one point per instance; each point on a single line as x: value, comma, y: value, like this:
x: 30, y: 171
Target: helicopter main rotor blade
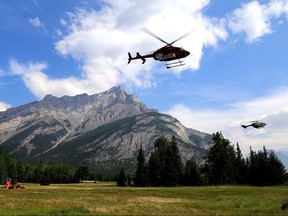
x: 144, y: 29
x: 183, y: 36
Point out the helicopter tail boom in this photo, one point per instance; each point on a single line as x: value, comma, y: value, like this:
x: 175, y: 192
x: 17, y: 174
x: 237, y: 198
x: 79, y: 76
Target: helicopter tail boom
x: 138, y: 56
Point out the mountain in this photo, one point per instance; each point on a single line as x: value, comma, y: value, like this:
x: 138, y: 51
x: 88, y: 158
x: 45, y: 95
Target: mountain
x: 283, y: 157
x: 101, y: 129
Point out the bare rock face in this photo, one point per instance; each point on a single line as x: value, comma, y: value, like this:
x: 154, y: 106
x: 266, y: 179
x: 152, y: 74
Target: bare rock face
x: 109, y: 126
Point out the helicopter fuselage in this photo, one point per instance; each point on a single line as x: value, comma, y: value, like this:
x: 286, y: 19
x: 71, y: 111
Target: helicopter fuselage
x: 255, y: 124
x: 169, y: 53
x: 166, y: 53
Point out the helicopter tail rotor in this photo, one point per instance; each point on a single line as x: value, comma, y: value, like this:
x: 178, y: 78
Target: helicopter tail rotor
x: 244, y: 126
x: 129, y: 57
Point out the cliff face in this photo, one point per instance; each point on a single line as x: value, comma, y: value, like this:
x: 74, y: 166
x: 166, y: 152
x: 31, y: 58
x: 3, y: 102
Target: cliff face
x: 109, y: 126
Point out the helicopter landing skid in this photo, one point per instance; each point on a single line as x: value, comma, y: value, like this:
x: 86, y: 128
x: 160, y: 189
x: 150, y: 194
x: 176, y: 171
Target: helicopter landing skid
x: 174, y: 64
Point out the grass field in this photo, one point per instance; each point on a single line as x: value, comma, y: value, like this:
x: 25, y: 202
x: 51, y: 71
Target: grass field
x: 108, y: 199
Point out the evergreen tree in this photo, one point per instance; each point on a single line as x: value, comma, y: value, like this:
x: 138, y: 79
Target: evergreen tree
x: 160, y: 147
x: 262, y: 167
x: 165, y: 165
x: 3, y: 170
x: 157, y: 162
x: 192, y: 175
x: 169, y: 177
x: 172, y: 171
x: 265, y: 169
x: 129, y: 180
x: 252, y: 165
x: 4, y: 160
x: 240, y: 167
x: 141, y: 174
x: 220, y: 161
x: 12, y: 169
x: 154, y: 170
x: 46, y: 178
x: 277, y: 172
x: 20, y: 171
x: 121, y: 179
x: 39, y: 172
x: 28, y: 173
x: 176, y: 160
x: 64, y: 173
x: 82, y: 173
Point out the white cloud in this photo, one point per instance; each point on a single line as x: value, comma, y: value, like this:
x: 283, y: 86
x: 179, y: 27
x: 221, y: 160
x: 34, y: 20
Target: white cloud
x: 276, y: 8
x: 21, y: 69
x: 107, y: 36
x: 251, y: 20
x: 254, y: 19
x: 100, y: 40
x: 4, y: 106
x: 272, y: 109
x: 36, y: 22
x: 40, y: 84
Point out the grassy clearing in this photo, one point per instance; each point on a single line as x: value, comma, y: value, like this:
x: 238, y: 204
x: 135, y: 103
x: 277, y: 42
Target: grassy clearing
x: 108, y: 199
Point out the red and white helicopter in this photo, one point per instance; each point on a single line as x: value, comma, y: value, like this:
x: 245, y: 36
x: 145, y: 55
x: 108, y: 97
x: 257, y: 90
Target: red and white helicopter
x: 167, y: 53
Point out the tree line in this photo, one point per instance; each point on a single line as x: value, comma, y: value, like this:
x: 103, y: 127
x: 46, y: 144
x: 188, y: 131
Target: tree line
x: 223, y: 164
x: 42, y: 173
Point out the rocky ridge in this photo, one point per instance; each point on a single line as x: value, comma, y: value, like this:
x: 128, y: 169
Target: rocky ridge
x: 102, y: 128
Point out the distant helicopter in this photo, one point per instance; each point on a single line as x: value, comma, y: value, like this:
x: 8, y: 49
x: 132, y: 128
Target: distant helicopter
x: 166, y: 53
x: 255, y: 124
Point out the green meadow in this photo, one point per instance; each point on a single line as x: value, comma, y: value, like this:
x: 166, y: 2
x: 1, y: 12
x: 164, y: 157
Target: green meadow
x: 108, y: 199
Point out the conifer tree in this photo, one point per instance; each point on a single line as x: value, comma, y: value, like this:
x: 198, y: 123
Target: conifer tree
x: 265, y: 169
x: 165, y: 165
x: 154, y: 170
x: 4, y: 160
x: 121, y: 179
x: 277, y: 172
x: 141, y: 174
x: 176, y: 160
x: 38, y: 172
x: 169, y: 176
x: 220, y: 161
x: 240, y: 167
x: 82, y: 173
x: 192, y: 175
x: 252, y: 167
x: 160, y: 153
x: 262, y: 167
x: 46, y: 178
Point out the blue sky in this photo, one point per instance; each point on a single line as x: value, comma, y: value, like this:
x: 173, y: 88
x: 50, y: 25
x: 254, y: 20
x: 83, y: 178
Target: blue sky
x: 236, y: 72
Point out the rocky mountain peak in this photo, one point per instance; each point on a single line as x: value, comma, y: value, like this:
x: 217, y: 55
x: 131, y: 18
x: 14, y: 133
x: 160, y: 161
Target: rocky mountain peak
x: 49, y: 97
x: 119, y: 95
x: 108, y: 126
x: 78, y: 114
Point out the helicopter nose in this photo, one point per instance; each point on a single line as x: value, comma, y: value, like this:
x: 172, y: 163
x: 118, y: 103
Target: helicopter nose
x: 187, y: 53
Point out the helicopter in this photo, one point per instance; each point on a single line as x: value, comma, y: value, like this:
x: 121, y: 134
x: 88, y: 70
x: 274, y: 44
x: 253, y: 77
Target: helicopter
x: 166, y: 53
x: 255, y: 124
